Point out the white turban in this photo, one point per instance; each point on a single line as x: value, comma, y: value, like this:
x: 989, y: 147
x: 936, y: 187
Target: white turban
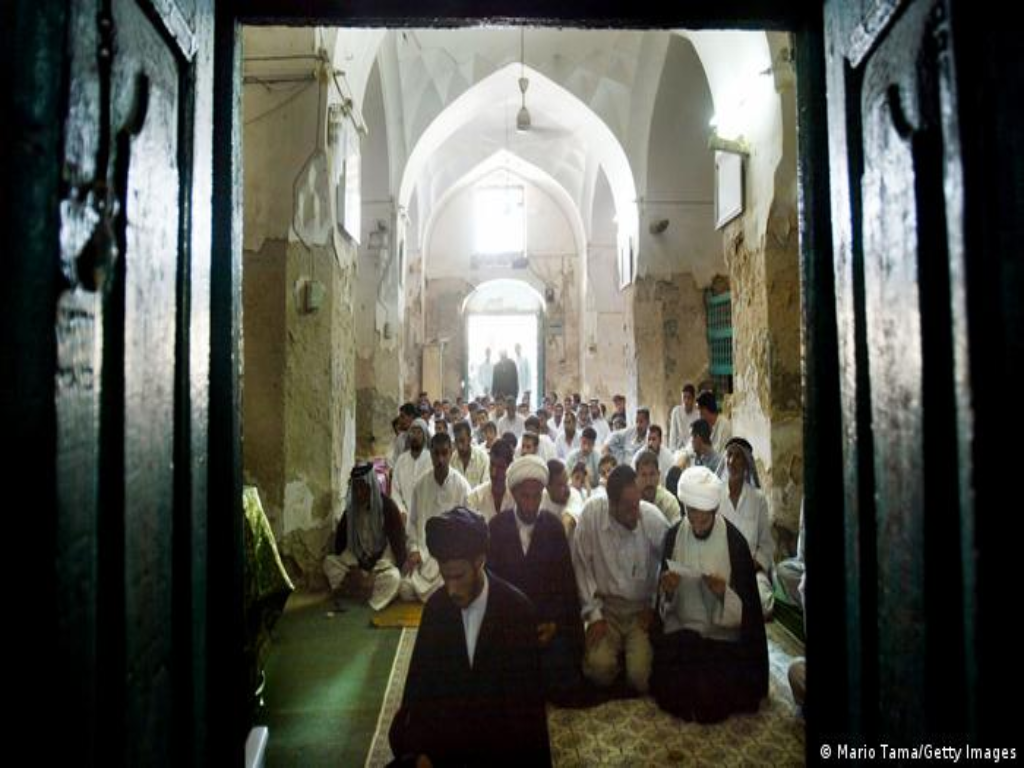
x: 422, y: 425
x: 527, y: 468
x: 700, y: 488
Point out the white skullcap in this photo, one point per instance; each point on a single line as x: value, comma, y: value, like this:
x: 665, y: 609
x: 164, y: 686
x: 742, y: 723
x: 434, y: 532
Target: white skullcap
x: 700, y: 488
x: 527, y: 468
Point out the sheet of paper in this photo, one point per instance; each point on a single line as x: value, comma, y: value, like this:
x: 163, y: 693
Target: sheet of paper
x: 684, y: 571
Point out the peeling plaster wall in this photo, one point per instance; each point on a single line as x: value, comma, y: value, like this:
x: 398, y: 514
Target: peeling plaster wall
x: 762, y: 254
x: 300, y: 393
x: 670, y: 326
x: 607, y: 347
x: 263, y: 313
x: 379, y: 298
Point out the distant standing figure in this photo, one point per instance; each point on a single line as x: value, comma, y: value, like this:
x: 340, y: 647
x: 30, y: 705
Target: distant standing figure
x: 505, y: 380
x: 523, y: 364
x: 484, y: 374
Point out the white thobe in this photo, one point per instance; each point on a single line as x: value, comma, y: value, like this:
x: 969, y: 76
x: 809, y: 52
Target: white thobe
x: 573, y: 506
x: 612, y: 561
x: 525, y: 380
x: 665, y: 461
x: 429, y: 500
x: 563, y: 446
x: 404, y: 476
x: 480, y: 500
x: 750, y: 516
x: 720, y: 434
x: 477, y: 471
x: 679, y: 427
x: 514, y: 425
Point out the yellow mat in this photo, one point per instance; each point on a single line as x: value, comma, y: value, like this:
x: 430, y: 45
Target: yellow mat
x: 398, y: 615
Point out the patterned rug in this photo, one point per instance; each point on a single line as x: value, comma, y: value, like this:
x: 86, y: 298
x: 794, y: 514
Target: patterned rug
x: 634, y: 732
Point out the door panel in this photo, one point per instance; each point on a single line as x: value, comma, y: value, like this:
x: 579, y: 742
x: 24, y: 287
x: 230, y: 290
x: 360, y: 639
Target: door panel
x: 901, y: 220
x: 117, y: 328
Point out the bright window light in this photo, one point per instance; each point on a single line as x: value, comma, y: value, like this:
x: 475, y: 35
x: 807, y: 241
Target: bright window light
x: 500, y: 222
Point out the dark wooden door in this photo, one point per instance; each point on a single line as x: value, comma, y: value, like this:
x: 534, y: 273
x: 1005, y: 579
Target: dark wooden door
x: 911, y: 314
x: 121, y: 400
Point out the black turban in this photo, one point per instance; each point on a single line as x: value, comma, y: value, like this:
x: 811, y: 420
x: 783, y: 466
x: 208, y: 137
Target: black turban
x: 458, y: 534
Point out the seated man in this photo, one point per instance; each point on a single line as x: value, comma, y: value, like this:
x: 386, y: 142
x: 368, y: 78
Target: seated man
x: 369, y: 543
x: 529, y: 550
x: 615, y: 554
x: 711, y: 657
x: 474, y: 694
x: 435, y: 491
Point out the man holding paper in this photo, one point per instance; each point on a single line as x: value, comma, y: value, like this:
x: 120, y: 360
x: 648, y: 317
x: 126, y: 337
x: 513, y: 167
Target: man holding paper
x: 711, y: 655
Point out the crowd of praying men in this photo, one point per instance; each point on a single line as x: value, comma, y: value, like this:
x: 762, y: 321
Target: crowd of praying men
x: 645, y: 558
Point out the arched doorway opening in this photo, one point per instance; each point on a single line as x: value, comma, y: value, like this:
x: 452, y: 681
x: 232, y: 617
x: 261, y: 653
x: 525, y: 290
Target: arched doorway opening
x: 504, y: 318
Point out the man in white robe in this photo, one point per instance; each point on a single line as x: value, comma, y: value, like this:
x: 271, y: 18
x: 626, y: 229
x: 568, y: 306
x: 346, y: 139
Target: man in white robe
x: 560, y: 498
x: 490, y: 498
x: 436, y: 492
x: 469, y: 460
x: 744, y: 505
x: 412, y: 464
x: 682, y: 416
x: 721, y: 428
x: 655, y: 445
x: 648, y: 479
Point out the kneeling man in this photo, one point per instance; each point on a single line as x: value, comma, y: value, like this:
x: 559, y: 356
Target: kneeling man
x: 711, y: 659
x: 474, y: 694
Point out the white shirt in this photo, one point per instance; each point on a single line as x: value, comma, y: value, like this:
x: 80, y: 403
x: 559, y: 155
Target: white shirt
x: 403, y: 479
x: 665, y: 461
x: 611, y: 560
x: 477, y: 471
x: 720, y: 434
x: 750, y: 516
x: 694, y: 606
x: 667, y: 504
x: 574, y: 506
x: 429, y: 500
x: 473, y: 617
x: 679, y: 427
x: 515, y: 425
x: 525, y: 532
x: 480, y: 500
x: 564, y: 447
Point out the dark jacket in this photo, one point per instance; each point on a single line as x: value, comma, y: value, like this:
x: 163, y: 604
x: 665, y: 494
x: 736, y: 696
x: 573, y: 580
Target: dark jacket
x: 489, y: 714
x: 505, y: 379
x: 394, y: 529
x: 544, y: 574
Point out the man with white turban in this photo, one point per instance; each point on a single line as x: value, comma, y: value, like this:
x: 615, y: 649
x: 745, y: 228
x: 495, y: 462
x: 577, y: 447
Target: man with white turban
x: 529, y: 550
x: 711, y: 656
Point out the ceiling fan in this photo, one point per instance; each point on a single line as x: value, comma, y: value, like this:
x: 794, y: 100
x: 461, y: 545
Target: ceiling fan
x: 524, y: 121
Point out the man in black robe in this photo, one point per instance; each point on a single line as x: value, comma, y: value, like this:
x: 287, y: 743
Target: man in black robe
x: 711, y: 655
x: 474, y: 694
x: 529, y: 550
x: 505, y: 378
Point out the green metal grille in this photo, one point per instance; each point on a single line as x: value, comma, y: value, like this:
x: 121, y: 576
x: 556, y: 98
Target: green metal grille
x: 719, y: 311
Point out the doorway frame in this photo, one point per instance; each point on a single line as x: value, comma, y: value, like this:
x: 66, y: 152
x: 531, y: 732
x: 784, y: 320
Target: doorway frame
x: 833, y: 670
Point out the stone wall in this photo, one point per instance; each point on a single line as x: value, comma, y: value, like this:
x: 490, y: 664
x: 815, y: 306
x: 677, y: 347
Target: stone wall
x: 762, y: 254
x: 670, y: 324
